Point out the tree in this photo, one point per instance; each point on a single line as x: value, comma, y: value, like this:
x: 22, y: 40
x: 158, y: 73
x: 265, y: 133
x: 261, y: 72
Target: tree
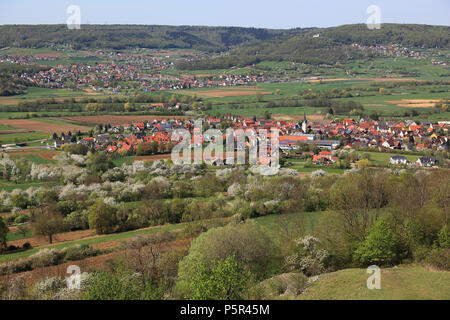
x: 48, y: 224
x: 3, y: 232
x: 223, y: 280
x: 363, y: 164
x: 95, y: 107
x: 127, y: 107
x: 46, y: 197
x: 19, y: 200
x: 99, y: 162
x: 102, y: 217
x: 444, y: 237
x: 379, y: 247
x: 22, y: 230
x: 251, y: 248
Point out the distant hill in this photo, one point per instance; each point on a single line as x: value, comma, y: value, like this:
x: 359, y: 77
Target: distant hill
x: 327, y: 45
x: 133, y: 36
x: 412, y: 35
x: 241, y: 46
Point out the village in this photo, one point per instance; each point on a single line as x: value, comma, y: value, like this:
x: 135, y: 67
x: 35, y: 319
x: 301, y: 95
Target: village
x: 121, y: 73
x: 322, y: 140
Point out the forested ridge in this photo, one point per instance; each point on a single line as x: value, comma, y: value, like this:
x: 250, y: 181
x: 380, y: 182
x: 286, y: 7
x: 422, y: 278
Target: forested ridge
x: 212, y: 38
x: 327, y: 46
x: 133, y: 36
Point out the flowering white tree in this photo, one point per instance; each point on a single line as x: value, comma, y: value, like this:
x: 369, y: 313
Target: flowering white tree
x: 308, y: 258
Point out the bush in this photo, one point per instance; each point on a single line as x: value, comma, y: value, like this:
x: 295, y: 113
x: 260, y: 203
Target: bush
x: 19, y: 200
x: 45, y: 257
x: 16, y: 266
x: 21, y: 218
x: 78, y: 252
x: 111, y: 286
x: 26, y: 246
x: 439, y: 259
x: 77, y: 220
x: 223, y: 280
x: 46, y: 288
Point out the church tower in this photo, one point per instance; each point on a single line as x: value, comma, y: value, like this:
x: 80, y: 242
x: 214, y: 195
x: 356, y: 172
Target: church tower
x: 304, y: 124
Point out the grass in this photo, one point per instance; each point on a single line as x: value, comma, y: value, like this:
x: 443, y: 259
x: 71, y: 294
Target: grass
x: 5, y: 127
x: 37, y: 159
x: 401, y: 283
x: 273, y: 224
x: 118, y: 162
x: 22, y: 137
x: 10, y: 186
x: 382, y: 158
x: 300, y: 167
x: 11, y: 236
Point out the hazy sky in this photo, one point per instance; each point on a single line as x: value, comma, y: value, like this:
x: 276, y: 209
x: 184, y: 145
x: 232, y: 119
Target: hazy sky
x: 246, y: 13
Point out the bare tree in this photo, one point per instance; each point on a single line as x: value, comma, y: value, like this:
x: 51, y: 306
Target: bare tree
x: 48, y: 224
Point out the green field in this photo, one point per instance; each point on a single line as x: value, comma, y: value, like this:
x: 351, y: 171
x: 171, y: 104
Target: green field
x: 6, y: 128
x: 382, y: 158
x: 33, y: 158
x: 11, y: 236
x: 9, y: 138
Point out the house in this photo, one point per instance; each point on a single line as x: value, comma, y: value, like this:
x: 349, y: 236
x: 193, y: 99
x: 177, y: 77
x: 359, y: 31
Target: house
x: 427, y: 161
x: 102, y: 138
x: 398, y: 160
x: 58, y: 143
x: 324, y: 156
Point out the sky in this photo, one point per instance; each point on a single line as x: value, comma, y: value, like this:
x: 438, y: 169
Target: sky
x: 276, y: 14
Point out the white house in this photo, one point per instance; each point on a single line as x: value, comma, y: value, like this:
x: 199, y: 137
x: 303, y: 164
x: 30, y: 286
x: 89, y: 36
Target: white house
x: 398, y: 160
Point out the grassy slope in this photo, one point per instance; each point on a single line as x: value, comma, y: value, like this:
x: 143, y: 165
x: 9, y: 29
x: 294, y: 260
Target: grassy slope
x: 404, y: 282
